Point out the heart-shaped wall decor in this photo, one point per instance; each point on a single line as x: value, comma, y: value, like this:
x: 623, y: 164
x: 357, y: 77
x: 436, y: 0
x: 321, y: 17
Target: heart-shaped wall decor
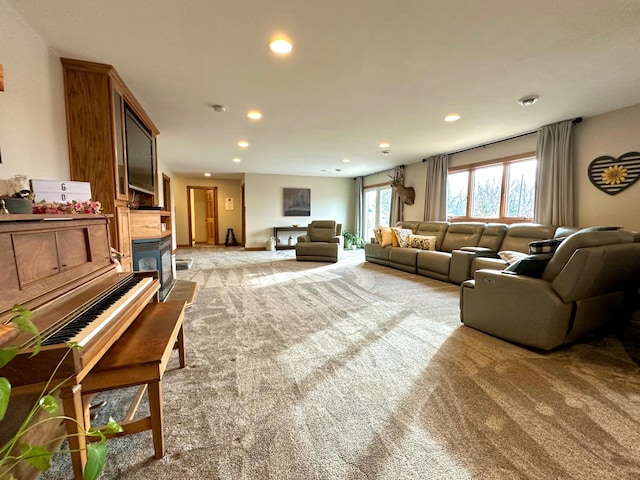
x: 613, y: 175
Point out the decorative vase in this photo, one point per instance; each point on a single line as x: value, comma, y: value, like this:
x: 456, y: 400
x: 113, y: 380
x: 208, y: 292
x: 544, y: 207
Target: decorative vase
x: 18, y: 205
x: 271, y: 244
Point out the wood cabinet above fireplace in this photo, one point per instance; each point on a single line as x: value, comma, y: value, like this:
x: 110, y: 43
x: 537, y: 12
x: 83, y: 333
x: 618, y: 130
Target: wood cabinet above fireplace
x: 101, y: 113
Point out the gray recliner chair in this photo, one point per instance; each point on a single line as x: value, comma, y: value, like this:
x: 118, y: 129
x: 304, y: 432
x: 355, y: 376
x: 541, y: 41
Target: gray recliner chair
x: 322, y: 243
x: 590, y: 282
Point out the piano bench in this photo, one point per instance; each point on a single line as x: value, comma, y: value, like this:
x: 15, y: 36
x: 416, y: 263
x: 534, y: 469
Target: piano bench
x: 140, y: 357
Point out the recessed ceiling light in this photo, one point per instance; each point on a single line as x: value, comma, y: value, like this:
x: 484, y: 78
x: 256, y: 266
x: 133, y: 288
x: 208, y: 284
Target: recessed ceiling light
x: 528, y: 101
x: 280, y: 46
x: 454, y: 117
x: 243, y: 144
x: 345, y: 160
x: 254, y: 115
x: 237, y: 160
x: 207, y: 174
x: 384, y: 145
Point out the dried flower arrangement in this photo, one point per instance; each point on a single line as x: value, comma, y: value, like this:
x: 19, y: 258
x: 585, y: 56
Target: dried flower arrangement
x: 83, y: 206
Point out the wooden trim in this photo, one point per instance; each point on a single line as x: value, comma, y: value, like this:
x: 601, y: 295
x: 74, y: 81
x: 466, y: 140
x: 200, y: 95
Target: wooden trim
x: 378, y: 185
x: 510, y: 159
x: 166, y: 192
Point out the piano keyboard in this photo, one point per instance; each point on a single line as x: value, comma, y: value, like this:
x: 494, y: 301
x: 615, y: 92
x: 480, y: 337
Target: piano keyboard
x: 82, y: 328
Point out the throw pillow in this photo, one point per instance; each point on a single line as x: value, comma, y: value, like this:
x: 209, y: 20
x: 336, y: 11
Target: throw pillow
x: 377, y: 234
x: 423, y: 242
x: 510, y: 256
x: 394, y: 238
x: 530, y: 266
x: 386, y: 236
x: 402, y: 236
x: 545, y: 246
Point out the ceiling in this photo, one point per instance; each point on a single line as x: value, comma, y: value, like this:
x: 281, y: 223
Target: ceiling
x: 361, y: 72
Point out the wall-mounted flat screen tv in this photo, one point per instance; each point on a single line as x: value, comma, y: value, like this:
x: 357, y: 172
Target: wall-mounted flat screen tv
x: 140, y: 164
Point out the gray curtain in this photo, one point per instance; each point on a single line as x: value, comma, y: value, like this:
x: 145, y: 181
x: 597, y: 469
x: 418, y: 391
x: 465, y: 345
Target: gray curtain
x: 554, y: 176
x: 359, y: 227
x: 397, y: 207
x: 435, y: 197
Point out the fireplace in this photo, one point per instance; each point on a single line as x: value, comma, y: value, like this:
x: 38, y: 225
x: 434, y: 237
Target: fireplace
x: 155, y: 254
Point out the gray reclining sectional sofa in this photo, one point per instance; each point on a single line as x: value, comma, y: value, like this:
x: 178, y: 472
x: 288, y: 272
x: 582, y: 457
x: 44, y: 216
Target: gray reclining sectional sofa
x: 590, y: 284
x: 462, y: 247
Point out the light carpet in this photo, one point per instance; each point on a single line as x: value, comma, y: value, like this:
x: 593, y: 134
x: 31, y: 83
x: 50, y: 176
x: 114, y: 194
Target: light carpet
x: 304, y: 370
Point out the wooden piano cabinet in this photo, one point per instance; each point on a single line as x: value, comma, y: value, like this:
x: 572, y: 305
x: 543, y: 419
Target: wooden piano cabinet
x: 50, y: 252
x: 59, y: 267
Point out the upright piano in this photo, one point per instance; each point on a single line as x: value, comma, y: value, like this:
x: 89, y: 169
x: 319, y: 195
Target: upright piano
x: 61, y: 269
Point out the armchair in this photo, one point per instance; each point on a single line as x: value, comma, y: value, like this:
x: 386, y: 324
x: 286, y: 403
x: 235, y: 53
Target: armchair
x: 590, y: 282
x: 322, y: 243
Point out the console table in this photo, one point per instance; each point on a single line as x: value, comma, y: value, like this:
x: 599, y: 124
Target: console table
x: 284, y: 245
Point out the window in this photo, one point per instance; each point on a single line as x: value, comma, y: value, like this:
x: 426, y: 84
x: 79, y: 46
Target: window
x: 377, y: 204
x: 501, y: 190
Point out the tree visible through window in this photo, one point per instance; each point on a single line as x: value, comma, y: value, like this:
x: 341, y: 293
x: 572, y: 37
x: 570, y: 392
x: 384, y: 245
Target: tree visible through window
x: 503, y: 190
x: 377, y: 203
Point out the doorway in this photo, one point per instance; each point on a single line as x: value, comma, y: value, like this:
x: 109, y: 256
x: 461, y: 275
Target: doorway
x: 202, y: 215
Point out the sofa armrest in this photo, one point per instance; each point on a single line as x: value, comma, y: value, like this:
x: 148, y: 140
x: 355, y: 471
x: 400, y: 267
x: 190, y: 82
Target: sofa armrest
x: 304, y: 238
x: 461, y: 260
x: 480, y: 251
x: 337, y: 239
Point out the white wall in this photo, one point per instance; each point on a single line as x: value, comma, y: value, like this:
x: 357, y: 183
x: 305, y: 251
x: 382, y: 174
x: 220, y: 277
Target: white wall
x: 612, y: 134
x: 33, y: 134
x: 331, y: 199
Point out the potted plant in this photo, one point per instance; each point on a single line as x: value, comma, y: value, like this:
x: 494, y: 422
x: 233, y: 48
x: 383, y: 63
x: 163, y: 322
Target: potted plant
x: 15, y: 449
x: 19, y: 198
x: 351, y: 240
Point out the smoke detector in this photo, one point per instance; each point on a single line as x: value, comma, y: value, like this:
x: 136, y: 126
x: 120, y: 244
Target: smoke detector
x: 528, y: 101
x: 219, y: 108
x: 385, y: 152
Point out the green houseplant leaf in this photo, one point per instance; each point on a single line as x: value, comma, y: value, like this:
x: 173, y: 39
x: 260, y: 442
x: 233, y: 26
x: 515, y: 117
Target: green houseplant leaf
x: 37, y: 455
x: 7, y: 354
x: 22, y: 321
x: 49, y: 403
x: 5, y: 393
x: 96, y: 458
x: 112, y: 426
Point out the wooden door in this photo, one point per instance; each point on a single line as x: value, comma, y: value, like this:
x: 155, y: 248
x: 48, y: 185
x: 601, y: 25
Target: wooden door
x: 211, y: 230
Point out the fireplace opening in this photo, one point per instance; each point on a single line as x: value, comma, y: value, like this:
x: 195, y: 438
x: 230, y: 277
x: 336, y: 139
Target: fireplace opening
x: 155, y: 254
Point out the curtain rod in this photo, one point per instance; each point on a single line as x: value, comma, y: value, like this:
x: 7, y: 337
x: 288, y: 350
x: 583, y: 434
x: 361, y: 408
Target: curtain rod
x: 574, y: 121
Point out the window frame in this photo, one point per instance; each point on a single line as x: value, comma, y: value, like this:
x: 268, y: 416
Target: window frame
x: 505, y: 162
x: 374, y: 188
